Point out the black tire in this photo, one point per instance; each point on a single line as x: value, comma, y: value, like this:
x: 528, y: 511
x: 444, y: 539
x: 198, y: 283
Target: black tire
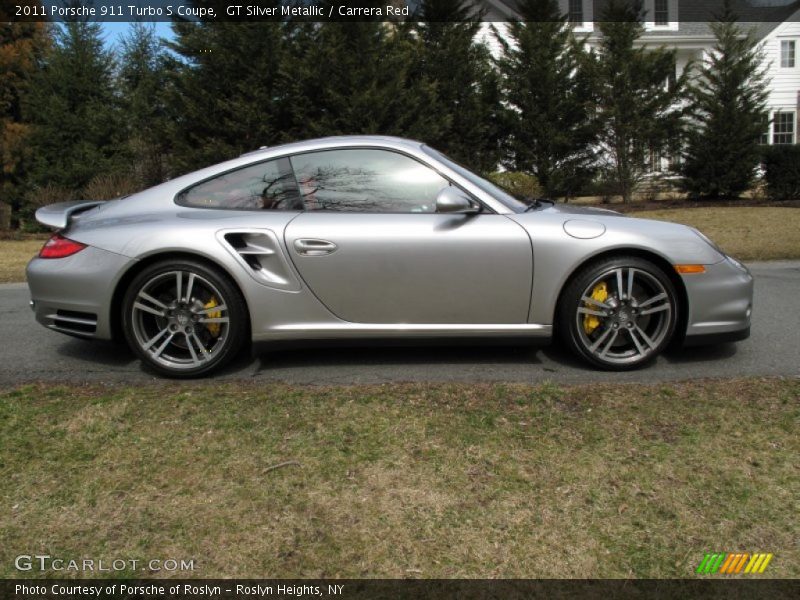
x: 191, y: 335
x: 628, y: 329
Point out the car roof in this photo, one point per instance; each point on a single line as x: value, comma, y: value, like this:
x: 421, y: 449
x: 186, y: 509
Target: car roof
x: 336, y: 141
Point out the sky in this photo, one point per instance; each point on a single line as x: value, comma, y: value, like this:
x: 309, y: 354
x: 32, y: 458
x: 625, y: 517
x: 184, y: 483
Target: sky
x: 115, y: 30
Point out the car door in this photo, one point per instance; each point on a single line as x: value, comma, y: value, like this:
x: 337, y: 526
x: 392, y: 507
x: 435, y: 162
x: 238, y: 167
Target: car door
x: 371, y: 247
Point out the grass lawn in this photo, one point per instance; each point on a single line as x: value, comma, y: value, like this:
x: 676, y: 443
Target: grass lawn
x: 14, y: 255
x: 748, y: 233
x: 404, y: 481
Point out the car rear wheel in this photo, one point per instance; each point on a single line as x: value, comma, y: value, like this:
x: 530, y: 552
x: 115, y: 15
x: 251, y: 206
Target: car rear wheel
x: 618, y: 313
x: 184, y: 318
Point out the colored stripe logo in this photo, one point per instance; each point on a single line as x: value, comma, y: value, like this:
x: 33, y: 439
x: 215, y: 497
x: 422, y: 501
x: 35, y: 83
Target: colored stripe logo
x: 733, y: 563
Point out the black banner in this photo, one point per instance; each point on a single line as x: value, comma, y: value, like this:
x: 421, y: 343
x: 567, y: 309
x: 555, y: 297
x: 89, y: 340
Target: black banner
x: 583, y: 15
x: 414, y: 589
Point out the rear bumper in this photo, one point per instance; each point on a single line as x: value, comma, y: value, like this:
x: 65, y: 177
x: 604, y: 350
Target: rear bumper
x: 73, y: 295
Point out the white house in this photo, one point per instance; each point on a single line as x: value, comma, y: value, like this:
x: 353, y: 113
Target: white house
x: 683, y: 25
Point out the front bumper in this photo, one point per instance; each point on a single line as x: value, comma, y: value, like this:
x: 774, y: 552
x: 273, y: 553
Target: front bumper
x: 73, y: 295
x: 720, y: 304
x: 714, y: 339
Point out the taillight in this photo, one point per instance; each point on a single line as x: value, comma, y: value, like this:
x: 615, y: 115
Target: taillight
x: 60, y: 247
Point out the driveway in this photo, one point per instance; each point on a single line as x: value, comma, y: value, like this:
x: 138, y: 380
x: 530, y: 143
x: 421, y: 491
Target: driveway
x: 29, y: 352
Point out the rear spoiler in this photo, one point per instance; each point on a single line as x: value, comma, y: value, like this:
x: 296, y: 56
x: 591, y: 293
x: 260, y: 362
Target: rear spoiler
x: 59, y: 215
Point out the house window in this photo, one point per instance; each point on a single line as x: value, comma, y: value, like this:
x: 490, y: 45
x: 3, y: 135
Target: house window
x: 656, y: 160
x: 671, y: 79
x: 764, y: 139
x: 783, y: 128
x: 661, y: 12
x: 575, y: 14
x: 788, y: 53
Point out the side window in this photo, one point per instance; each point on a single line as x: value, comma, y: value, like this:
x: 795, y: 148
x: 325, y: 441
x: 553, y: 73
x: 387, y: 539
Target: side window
x: 788, y: 54
x: 268, y: 185
x: 366, y: 181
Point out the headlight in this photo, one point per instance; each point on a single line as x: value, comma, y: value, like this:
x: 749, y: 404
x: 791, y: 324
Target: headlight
x: 709, y: 241
x: 737, y: 264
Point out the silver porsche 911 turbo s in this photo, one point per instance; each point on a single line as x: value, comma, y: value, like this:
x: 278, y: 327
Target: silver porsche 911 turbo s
x: 373, y: 238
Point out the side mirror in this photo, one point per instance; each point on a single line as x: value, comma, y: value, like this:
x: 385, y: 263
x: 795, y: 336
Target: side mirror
x: 453, y: 200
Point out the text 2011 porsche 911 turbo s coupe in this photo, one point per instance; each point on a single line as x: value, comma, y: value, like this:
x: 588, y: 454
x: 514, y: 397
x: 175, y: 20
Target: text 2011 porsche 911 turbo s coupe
x: 373, y: 237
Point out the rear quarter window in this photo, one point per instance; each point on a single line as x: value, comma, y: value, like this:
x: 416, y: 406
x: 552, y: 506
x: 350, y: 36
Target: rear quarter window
x: 267, y: 185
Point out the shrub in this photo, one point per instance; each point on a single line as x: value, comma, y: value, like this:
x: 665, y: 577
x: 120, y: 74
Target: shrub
x: 5, y: 216
x: 107, y: 187
x: 517, y: 184
x: 600, y: 187
x: 782, y: 172
x: 38, y: 197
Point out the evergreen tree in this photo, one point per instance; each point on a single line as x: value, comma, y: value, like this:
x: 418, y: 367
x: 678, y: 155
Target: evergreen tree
x: 468, y: 96
x: 21, y: 47
x: 74, y: 111
x: 143, y: 81
x: 228, y: 94
x: 545, y: 82
x: 728, y: 98
x: 357, y: 78
x: 638, y: 96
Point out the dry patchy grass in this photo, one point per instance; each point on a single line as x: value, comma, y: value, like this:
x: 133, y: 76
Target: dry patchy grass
x: 14, y: 255
x: 410, y: 480
x: 748, y: 233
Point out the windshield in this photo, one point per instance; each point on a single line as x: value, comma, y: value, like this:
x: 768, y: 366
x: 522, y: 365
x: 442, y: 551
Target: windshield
x: 487, y: 186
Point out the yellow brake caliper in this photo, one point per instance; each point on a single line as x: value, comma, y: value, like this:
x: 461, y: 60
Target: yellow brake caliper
x: 213, y: 328
x: 592, y: 322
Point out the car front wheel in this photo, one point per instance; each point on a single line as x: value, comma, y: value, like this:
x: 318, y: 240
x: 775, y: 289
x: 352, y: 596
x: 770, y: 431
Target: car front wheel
x: 184, y: 318
x: 619, y: 313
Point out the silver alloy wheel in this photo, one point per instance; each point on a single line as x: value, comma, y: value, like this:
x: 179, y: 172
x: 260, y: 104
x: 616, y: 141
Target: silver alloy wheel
x: 634, y: 319
x: 180, y: 319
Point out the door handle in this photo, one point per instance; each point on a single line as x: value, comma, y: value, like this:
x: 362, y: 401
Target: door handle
x: 311, y: 247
